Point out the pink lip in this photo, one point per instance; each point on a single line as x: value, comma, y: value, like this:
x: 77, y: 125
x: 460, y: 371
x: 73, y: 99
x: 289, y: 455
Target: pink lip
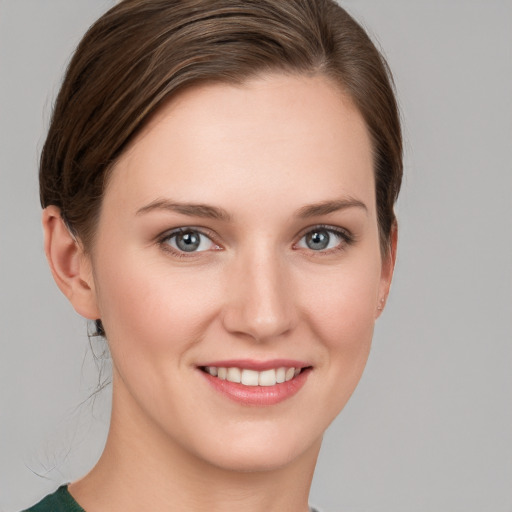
x: 258, y: 395
x: 259, y: 366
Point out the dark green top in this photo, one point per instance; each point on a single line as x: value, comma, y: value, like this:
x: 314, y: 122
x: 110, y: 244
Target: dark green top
x: 59, y: 501
x: 62, y: 501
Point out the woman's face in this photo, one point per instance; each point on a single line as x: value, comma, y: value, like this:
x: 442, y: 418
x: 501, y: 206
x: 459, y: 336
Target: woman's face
x: 238, y: 235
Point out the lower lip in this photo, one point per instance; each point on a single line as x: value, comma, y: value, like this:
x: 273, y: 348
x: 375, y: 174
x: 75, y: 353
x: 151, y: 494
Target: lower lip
x: 258, y: 395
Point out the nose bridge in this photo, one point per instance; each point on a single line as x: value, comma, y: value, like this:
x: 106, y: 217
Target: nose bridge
x: 260, y: 298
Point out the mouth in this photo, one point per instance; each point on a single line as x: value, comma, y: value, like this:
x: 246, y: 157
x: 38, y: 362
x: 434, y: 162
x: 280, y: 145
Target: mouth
x: 250, y: 377
x: 257, y: 384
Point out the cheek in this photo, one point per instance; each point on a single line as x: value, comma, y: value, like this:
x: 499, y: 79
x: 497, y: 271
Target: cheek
x: 341, y: 303
x: 344, y: 323
x: 146, y: 305
x: 341, y: 311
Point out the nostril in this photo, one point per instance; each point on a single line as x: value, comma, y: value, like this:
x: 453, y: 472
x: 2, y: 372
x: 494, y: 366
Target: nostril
x: 242, y: 320
x: 259, y: 303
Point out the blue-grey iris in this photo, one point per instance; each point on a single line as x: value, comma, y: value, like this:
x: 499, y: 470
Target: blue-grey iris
x: 318, y: 240
x: 188, y: 241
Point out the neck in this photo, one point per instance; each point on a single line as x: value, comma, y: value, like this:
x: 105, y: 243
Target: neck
x: 141, y: 468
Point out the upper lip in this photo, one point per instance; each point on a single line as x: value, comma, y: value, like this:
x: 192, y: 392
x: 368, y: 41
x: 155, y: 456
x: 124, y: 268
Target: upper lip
x: 251, y: 364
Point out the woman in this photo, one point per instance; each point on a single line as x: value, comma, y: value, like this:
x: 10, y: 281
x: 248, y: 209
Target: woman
x: 218, y: 185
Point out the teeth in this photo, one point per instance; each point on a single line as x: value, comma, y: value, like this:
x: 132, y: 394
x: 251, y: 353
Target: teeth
x: 234, y: 375
x: 249, y: 378
x: 252, y: 377
x: 267, y: 378
x: 212, y: 370
x: 290, y: 373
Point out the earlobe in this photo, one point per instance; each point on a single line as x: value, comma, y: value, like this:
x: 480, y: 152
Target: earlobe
x: 70, y: 266
x: 388, y: 267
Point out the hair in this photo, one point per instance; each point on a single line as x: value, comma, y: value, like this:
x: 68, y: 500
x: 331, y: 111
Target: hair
x: 142, y: 52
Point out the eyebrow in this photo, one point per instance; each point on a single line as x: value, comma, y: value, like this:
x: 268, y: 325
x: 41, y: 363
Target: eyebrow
x: 326, y: 207
x: 191, y: 209
x: 214, y: 212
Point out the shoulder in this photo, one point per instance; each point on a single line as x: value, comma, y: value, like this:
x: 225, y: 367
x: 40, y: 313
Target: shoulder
x: 62, y: 501
x: 59, y: 501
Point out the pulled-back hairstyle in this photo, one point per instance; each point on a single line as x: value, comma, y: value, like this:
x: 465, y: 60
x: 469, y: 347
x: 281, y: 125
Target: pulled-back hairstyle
x: 142, y: 52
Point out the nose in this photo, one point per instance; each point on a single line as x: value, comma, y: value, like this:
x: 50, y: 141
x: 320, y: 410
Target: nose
x: 260, y: 299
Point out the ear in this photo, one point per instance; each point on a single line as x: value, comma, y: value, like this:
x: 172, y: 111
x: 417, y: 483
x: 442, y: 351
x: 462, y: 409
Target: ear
x: 70, y: 266
x: 388, y: 267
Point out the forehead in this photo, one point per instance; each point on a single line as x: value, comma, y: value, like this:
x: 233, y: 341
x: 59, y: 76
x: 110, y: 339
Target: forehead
x: 218, y: 142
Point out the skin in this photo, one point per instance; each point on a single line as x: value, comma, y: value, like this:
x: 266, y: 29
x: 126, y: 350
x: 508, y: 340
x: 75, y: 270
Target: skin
x: 262, y: 152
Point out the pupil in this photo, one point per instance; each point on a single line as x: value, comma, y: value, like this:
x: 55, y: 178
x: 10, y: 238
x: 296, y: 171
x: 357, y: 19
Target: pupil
x: 317, y: 240
x: 188, y: 241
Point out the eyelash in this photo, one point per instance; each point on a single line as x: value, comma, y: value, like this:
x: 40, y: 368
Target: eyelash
x: 346, y: 239
x: 163, y: 241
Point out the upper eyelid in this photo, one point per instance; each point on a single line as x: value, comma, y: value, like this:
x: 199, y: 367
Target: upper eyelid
x: 163, y: 241
x: 346, y: 239
x: 170, y: 232
x: 334, y: 229
x: 338, y: 230
x: 344, y: 244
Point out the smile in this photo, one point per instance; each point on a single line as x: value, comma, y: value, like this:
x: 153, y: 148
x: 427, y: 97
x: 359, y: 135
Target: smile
x: 248, y: 377
x: 258, y: 384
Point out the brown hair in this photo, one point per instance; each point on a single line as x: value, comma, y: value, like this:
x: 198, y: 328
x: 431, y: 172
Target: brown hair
x: 141, y: 52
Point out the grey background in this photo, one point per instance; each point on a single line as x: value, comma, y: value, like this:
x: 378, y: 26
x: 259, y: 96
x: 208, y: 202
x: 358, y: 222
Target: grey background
x: 430, y: 427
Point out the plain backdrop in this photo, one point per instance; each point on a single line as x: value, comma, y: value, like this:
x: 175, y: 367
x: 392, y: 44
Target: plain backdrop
x: 429, y: 428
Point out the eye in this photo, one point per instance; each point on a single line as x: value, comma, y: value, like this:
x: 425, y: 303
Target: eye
x: 187, y: 240
x: 323, y: 239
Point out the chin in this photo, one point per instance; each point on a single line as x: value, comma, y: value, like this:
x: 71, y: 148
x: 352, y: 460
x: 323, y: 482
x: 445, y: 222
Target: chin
x: 261, y: 451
